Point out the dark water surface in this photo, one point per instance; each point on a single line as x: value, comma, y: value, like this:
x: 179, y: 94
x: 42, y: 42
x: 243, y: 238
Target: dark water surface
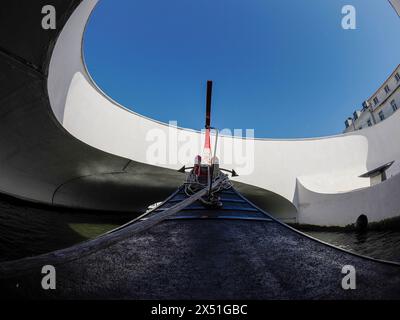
x: 384, y: 245
x: 27, y: 230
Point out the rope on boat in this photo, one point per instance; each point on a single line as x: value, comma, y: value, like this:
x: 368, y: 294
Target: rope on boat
x: 193, y: 185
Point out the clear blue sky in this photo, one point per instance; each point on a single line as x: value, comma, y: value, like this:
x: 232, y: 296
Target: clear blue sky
x: 284, y: 68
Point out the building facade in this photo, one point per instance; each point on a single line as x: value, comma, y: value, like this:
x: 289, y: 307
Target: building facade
x: 381, y: 105
x: 396, y: 5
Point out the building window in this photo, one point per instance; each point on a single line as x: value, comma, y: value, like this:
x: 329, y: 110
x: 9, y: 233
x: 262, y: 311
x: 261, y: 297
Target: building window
x: 376, y: 100
x: 394, y: 105
x: 381, y: 116
x: 369, y: 123
x: 387, y: 89
x: 348, y: 122
x: 397, y: 76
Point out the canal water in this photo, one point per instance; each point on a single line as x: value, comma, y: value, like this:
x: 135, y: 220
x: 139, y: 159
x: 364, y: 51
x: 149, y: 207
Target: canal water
x: 384, y: 245
x: 27, y: 230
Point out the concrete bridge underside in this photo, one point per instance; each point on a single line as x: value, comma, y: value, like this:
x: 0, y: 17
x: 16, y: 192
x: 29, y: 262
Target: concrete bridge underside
x: 58, y: 134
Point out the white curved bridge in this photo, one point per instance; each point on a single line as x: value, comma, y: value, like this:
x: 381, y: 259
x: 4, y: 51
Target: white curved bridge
x: 64, y: 142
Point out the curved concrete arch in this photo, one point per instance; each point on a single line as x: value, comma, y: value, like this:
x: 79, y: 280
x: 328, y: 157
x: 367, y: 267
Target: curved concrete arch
x: 88, y: 114
x: 39, y: 159
x: 378, y: 203
x: 80, y: 148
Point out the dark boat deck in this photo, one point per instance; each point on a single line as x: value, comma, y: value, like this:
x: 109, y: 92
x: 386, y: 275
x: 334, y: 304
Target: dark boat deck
x: 238, y: 252
x: 235, y: 207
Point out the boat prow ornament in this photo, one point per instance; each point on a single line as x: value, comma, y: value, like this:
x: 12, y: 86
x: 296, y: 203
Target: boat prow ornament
x: 206, y: 171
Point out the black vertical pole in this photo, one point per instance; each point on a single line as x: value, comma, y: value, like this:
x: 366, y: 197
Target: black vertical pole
x: 208, y: 104
x: 208, y: 128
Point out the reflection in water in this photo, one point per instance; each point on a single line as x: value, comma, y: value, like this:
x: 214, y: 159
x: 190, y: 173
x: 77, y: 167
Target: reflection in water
x: 361, y: 237
x: 91, y: 230
x: 383, y: 245
x: 27, y: 230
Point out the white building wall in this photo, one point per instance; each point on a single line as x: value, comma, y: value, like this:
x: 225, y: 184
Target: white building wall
x: 387, y: 107
x: 362, y: 121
